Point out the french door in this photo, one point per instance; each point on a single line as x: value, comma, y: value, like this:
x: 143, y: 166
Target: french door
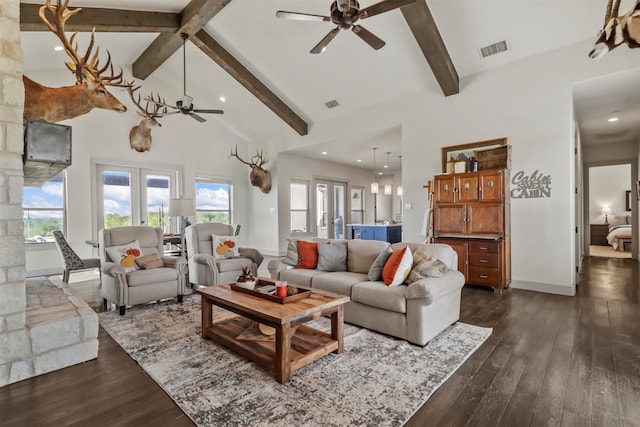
x: 331, y: 206
x: 134, y: 196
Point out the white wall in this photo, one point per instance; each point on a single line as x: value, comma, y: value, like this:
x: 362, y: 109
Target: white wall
x: 529, y: 102
x: 607, y: 187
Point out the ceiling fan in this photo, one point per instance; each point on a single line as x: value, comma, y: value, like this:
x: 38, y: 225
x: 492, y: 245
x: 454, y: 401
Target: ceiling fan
x: 345, y: 14
x: 185, y: 105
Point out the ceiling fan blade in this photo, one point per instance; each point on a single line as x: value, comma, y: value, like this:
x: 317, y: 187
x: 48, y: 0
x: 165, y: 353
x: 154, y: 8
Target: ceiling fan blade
x: 302, y: 16
x: 169, y: 113
x: 198, y: 118
x: 366, y: 35
x: 209, y: 111
x: 325, y: 41
x: 383, y: 6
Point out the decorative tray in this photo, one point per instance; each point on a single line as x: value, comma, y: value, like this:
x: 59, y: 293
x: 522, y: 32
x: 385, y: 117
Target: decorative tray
x: 256, y: 292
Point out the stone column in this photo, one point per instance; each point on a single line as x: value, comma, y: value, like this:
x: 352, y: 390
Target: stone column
x: 15, y: 348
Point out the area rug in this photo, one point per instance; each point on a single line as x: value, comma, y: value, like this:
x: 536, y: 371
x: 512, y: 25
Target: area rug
x: 376, y: 381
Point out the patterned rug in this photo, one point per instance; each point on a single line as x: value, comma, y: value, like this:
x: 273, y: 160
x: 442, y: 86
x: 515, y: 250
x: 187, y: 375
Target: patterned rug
x: 376, y: 381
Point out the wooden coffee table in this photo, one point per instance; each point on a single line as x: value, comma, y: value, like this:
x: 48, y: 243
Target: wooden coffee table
x: 295, y: 344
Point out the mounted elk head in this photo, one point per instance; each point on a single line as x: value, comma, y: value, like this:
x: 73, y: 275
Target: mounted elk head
x: 57, y: 104
x: 140, y: 135
x: 618, y: 29
x: 259, y: 176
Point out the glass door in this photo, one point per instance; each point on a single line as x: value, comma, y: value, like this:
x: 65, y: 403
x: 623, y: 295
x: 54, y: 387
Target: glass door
x: 156, y: 193
x: 330, y: 209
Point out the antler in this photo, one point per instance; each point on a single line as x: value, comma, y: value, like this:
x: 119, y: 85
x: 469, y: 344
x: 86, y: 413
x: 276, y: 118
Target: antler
x: 235, y: 154
x: 82, y: 65
x: 612, y: 10
x: 260, y: 156
x: 158, y: 105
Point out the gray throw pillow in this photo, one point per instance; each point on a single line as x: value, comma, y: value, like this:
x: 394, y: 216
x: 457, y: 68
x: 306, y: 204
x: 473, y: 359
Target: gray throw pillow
x: 332, y: 257
x: 292, y: 257
x: 425, y: 264
x: 375, y: 271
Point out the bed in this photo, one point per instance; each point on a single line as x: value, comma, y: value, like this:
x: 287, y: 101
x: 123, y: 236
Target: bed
x: 616, y: 231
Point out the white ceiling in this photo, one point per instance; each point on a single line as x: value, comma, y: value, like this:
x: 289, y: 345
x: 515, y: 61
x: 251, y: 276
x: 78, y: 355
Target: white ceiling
x: 350, y: 71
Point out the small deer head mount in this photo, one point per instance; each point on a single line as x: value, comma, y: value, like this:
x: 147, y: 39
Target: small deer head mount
x: 140, y: 135
x: 259, y: 176
x: 618, y: 29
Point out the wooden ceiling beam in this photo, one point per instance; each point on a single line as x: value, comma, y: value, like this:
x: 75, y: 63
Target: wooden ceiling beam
x: 193, y: 17
x: 231, y: 65
x: 105, y: 20
x: 426, y: 32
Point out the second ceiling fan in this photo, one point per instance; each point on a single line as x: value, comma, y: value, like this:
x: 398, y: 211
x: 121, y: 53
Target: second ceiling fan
x: 345, y: 14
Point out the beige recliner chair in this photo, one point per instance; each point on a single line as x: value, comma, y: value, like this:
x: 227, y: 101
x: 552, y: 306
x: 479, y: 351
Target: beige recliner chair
x: 142, y: 285
x: 204, y: 268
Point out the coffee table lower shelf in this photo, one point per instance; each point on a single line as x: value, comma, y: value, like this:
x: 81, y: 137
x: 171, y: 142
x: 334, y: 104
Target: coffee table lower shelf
x: 307, y: 344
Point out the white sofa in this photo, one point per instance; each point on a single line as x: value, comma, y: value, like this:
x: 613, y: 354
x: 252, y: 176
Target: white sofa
x: 416, y: 312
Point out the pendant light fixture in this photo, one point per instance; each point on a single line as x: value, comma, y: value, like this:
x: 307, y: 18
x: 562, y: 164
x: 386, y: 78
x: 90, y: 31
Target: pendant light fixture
x: 387, y: 188
x: 374, y: 184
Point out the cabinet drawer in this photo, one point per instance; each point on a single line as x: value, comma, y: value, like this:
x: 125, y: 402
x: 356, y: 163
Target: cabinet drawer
x: 484, y: 276
x: 485, y: 260
x: 484, y: 247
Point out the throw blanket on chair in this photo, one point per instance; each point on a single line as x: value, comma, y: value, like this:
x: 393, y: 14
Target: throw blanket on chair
x: 253, y: 254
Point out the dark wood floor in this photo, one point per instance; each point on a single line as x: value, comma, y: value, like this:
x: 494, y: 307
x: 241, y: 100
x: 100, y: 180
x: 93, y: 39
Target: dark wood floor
x: 551, y: 360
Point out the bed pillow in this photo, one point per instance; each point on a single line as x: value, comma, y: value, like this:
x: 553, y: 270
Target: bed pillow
x: 375, y: 271
x: 332, y: 257
x: 292, y: 257
x: 308, y: 253
x: 125, y: 255
x: 224, y: 246
x: 397, y: 267
x: 425, y: 264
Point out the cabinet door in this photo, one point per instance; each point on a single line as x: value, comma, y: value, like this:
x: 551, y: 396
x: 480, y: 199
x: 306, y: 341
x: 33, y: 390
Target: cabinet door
x: 491, y: 186
x: 450, y: 219
x: 380, y: 233
x: 485, y: 219
x: 467, y: 187
x: 445, y: 189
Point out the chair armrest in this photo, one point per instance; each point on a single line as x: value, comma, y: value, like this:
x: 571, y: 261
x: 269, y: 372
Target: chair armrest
x: 432, y: 288
x: 113, y: 269
x: 206, y: 260
x: 275, y: 266
x: 175, y: 262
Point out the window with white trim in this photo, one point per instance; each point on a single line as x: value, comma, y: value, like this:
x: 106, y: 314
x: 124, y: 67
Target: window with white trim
x: 44, y: 210
x: 299, y: 206
x: 214, y: 200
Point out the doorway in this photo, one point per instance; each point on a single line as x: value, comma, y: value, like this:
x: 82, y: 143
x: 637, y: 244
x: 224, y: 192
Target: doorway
x: 331, y: 202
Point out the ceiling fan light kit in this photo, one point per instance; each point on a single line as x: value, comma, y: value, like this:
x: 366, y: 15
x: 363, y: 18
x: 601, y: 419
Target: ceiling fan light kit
x: 345, y: 14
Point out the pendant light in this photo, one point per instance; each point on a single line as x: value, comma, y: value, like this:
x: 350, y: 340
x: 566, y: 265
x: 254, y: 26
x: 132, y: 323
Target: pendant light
x: 374, y: 184
x: 387, y: 188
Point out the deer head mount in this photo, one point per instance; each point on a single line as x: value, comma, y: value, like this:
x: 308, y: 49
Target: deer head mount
x: 140, y: 135
x: 618, y: 29
x: 57, y: 104
x: 259, y: 176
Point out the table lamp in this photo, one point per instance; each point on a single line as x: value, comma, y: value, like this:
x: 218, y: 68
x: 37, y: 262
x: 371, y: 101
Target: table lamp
x: 606, y: 211
x: 181, y: 208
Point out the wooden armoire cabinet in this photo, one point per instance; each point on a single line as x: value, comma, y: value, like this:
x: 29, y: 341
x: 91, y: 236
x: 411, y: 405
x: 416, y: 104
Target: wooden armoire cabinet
x: 472, y: 214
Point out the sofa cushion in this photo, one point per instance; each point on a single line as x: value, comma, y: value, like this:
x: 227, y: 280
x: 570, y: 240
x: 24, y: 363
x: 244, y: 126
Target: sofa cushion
x: 299, y: 276
x: 332, y: 257
x: 425, y: 264
x: 232, y: 264
x: 362, y: 253
x: 375, y: 272
x: 147, y: 277
x: 338, y: 282
x: 308, y: 252
x: 443, y: 252
x: 292, y: 257
x: 397, y: 267
x: 377, y: 294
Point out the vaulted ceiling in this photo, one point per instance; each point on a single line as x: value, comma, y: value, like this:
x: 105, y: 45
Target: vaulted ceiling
x: 262, y: 65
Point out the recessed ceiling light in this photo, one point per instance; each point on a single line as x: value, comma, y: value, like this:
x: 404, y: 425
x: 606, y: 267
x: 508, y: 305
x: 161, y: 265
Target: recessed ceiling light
x: 58, y: 48
x: 324, y: 152
x: 359, y: 160
x: 323, y: 49
x: 385, y: 166
x: 222, y: 99
x: 614, y: 117
x: 379, y: 173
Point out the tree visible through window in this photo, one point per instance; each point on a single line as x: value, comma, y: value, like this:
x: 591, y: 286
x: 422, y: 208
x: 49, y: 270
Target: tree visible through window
x: 43, y: 210
x: 213, y: 201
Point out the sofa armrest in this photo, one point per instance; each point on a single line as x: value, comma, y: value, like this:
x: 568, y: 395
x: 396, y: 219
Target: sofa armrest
x: 275, y: 266
x: 432, y: 288
x: 113, y: 269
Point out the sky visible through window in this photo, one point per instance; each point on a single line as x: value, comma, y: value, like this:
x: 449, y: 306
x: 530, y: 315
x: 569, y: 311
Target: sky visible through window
x: 212, y: 196
x: 50, y: 195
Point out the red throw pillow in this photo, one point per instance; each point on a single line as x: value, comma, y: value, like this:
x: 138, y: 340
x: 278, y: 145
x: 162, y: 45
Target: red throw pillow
x: 397, y: 267
x: 308, y: 253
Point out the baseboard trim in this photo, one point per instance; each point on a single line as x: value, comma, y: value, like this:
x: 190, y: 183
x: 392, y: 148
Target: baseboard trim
x: 43, y: 272
x: 543, y: 287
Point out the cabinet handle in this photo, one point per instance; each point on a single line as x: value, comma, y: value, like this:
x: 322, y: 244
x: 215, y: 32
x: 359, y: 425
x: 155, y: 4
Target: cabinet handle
x: 484, y: 276
x: 484, y: 261
x: 483, y: 248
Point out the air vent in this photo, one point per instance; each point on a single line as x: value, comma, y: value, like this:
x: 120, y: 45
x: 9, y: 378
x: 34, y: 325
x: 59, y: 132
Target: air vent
x: 612, y: 135
x: 331, y: 104
x: 493, y: 49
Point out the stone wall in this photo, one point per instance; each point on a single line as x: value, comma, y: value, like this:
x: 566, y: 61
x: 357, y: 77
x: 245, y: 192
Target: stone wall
x: 43, y: 326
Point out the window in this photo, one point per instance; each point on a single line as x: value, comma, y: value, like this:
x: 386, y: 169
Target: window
x: 213, y: 200
x: 357, y: 205
x: 43, y: 210
x: 299, y: 206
